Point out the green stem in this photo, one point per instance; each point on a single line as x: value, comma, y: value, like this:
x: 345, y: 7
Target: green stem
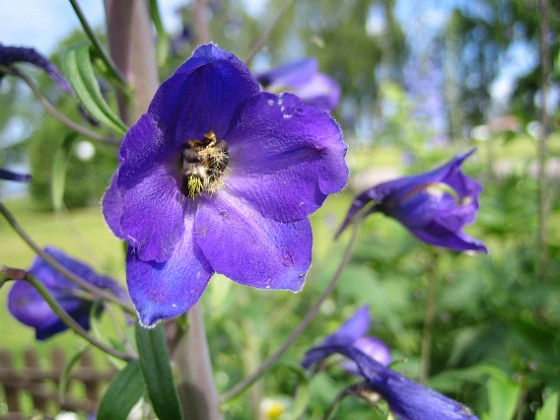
x: 60, y: 268
x: 266, y: 35
x: 69, y: 321
x: 249, y: 380
x: 51, y: 108
x: 542, y: 230
x: 429, y: 317
x: 111, y: 66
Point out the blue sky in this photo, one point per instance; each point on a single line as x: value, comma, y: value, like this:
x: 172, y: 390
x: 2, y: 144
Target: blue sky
x: 43, y: 23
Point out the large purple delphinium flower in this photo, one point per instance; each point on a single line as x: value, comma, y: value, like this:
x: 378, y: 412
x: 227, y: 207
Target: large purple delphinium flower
x: 303, y: 78
x: 219, y: 177
x: 12, y: 55
x: 434, y: 206
x: 29, y: 307
x: 407, y: 400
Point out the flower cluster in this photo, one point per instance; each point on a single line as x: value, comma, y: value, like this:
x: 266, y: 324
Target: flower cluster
x: 407, y: 400
x: 434, y: 206
x: 220, y: 177
x: 28, y: 306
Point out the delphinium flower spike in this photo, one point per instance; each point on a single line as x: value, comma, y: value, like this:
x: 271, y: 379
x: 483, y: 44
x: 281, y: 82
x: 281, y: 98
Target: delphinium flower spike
x: 220, y: 177
x: 434, y: 206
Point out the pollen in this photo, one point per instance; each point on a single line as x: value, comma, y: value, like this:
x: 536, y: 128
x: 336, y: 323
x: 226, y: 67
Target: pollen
x: 203, y: 162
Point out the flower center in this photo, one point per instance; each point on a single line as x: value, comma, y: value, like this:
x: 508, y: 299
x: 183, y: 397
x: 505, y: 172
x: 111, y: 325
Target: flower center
x: 202, y: 164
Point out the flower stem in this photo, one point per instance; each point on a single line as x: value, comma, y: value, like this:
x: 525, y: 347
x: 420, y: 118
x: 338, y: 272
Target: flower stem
x: 131, y: 40
x: 266, y: 35
x: 115, y: 72
x: 543, y: 207
x: 51, y: 108
x: 69, y: 321
x: 59, y: 267
x: 302, y: 326
x: 429, y: 317
x: 197, y: 390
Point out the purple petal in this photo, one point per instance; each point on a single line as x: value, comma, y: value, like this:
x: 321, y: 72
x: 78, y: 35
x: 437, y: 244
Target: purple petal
x: 168, y: 289
x: 144, y: 205
x: 352, y: 329
x: 408, y: 400
x: 202, y: 95
x: 12, y: 176
x: 304, y: 80
x: 285, y: 157
x: 112, y: 207
x: 320, y: 91
x: 12, y: 55
x: 291, y: 74
x: 438, y: 235
x: 251, y: 249
x: 29, y: 307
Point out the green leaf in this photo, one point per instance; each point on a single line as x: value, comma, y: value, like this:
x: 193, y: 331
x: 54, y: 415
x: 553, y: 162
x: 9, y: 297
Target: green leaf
x: 154, y: 358
x: 65, y: 375
x: 549, y: 411
x: 79, y: 71
x: 58, y: 175
x: 502, y: 396
x: 123, y: 393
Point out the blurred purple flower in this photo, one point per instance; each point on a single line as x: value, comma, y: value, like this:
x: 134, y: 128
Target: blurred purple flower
x: 13, y: 55
x: 304, y: 80
x: 434, y: 206
x: 407, y: 399
x: 219, y: 177
x: 12, y: 176
x: 353, y: 333
x: 29, y: 307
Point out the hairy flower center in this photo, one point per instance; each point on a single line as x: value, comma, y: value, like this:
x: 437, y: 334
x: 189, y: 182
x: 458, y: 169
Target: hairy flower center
x: 202, y: 164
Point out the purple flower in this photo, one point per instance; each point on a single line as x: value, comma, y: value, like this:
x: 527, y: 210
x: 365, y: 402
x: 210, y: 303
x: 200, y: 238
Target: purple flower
x: 352, y: 333
x: 219, y: 177
x: 29, y: 307
x: 407, y: 399
x: 12, y: 176
x: 12, y: 55
x: 434, y: 206
x: 303, y: 79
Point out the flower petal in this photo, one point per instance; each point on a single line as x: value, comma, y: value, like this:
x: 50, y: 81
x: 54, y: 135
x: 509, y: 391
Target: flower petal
x: 167, y: 289
x: 289, y: 75
x: 13, y: 176
x: 29, y: 308
x: 202, y: 95
x: 251, y: 249
x: 285, y: 156
x: 145, y: 206
x: 12, y: 55
x: 438, y: 235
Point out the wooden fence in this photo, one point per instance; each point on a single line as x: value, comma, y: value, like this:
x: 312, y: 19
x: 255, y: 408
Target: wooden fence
x: 40, y: 385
